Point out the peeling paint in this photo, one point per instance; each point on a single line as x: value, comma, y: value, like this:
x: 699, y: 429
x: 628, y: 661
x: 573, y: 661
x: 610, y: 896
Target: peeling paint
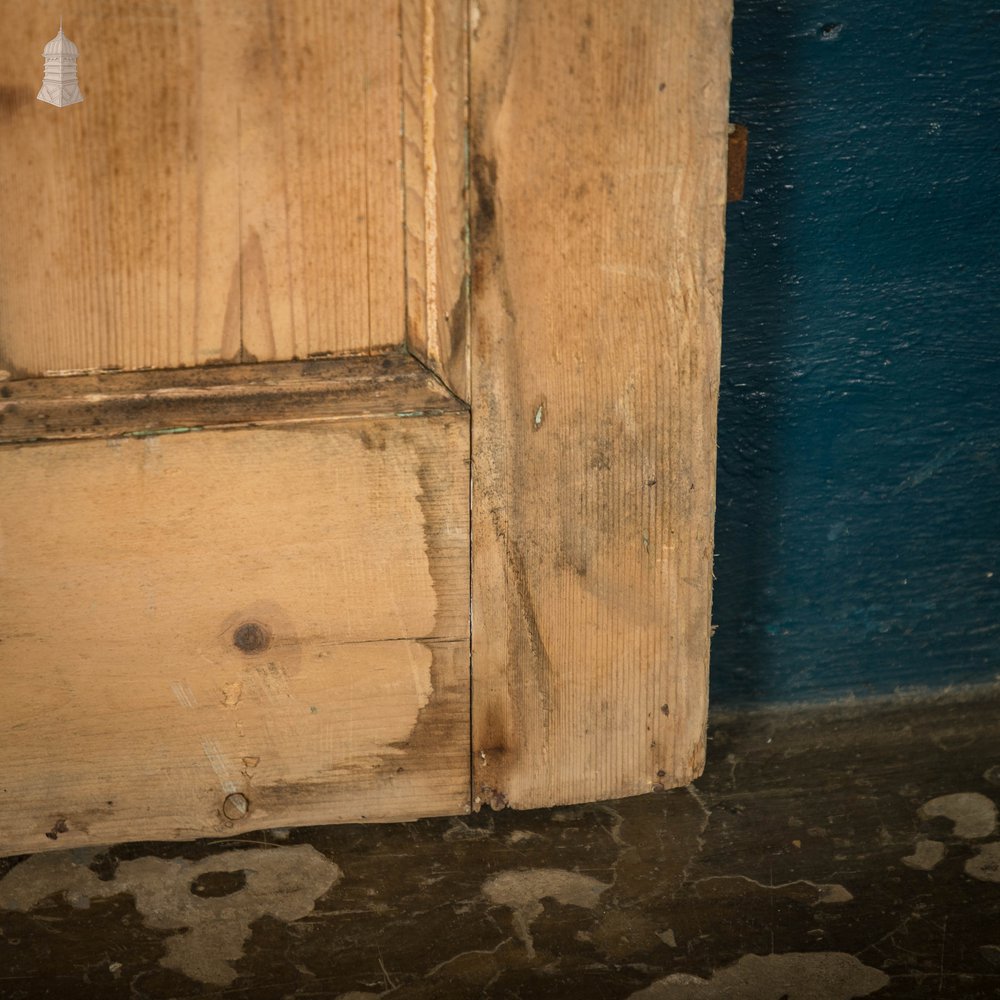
x: 974, y: 815
x: 985, y: 866
x: 283, y: 883
x: 824, y: 975
x: 926, y: 855
x: 698, y: 878
x: 523, y: 892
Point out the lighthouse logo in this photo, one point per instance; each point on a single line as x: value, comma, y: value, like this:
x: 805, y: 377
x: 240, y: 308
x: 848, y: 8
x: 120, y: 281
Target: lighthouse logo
x: 60, y: 87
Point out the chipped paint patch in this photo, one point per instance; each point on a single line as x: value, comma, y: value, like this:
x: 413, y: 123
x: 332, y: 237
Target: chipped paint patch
x: 283, y: 882
x: 985, y: 866
x: 523, y: 892
x: 825, y: 975
x: 973, y: 815
x: 927, y: 854
x: 833, y: 893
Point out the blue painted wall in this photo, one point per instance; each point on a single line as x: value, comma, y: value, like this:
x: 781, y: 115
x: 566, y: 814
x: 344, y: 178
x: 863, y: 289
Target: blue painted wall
x: 858, y: 529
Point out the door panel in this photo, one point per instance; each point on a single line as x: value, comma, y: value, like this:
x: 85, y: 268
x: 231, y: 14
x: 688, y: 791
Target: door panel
x: 238, y: 595
x: 276, y: 612
x: 230, y: 188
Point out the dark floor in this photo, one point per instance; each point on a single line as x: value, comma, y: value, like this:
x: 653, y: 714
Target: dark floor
x: 827, y: 853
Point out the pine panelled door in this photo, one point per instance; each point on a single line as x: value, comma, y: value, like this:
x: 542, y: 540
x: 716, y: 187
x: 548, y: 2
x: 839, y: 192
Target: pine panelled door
x: 358, y: 382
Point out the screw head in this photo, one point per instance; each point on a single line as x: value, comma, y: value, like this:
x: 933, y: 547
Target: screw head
x: 235, y: 806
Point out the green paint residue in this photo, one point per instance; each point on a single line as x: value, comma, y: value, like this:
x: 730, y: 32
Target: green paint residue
x: 164, y: 430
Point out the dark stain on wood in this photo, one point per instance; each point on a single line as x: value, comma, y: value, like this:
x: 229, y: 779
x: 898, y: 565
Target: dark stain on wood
x: 13, y: 98
x: 58, y: 827
x: 484, y: 181
x: 371, y: 439
x: 518, y: 574
x: 256, y: 323
x: 457, y: 319
x: 492, y: 757
x: 124, y: 404
x: 439, y: 729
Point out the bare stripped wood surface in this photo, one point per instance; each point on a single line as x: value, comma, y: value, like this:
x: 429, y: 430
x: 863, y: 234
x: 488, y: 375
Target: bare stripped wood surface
x: 229, y: 189
x: 192, y: 399
x: 598, y: 144
x: 278, y: 613
x: 435, y: 74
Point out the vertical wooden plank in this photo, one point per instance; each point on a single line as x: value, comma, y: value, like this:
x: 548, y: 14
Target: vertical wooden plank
x: 229, y: 189
x: 320, y: 178
x: 383, y: 159
x: 214, y: 291
x: 598, y: 142
x: 435, y: 77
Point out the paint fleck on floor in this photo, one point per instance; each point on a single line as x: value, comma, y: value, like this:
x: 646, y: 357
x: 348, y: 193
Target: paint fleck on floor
x: 826, y: 854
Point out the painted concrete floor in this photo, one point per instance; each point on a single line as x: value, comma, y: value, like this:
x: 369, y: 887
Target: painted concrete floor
x: 830, y: 853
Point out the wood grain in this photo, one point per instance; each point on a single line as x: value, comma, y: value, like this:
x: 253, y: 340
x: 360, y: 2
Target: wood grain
x: 229, y: 189
x: 598, y: 144
x: 435, y: 97
x: 135, y: 705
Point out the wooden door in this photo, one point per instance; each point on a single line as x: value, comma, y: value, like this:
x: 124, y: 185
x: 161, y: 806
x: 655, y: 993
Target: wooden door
x: 318, y: 322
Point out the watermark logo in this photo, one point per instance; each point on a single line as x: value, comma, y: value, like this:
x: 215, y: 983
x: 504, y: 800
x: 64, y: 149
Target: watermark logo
x: 60, y: 86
